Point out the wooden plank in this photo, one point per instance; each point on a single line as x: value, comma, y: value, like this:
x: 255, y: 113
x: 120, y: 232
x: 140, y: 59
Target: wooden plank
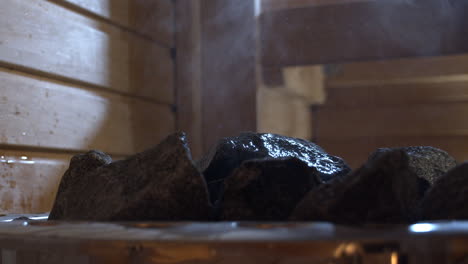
x: 27, y: 257
x: 42, y: 37
x: 363, y: 31
x: 58, y: 258
x: 154, y: 19
x: 307, y: 82
x: 406, y: 120
x: 228, y: 76
x: 29, y: 180
x: 41, y: 113
x: 188, y: 83
x: 273, y: 5
x: 414, y: 70
x: 281, y: 113
x: 151, y: 72
x: 356, y: 151
x: 396, y: 94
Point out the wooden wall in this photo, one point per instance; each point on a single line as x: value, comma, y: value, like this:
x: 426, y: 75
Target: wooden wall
x: 392, y: 102
x: 216, y: 80
x: 406, y: 102
x: 228, y: 56
x: 309, y: 32
x: 78, y: 75
x: 276, y: 5
x: 285, y: 108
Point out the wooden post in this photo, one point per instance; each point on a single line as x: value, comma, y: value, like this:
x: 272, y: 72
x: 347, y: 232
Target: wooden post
x: 217, y: 83
x: 188, y: 72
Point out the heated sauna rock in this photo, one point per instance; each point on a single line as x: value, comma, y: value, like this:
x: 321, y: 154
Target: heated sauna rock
x: 448, y: 198
x: 159, y: 184
x: 266, y: 189
x: 428, y: 163
x: 229, y: 153
x: 384, y: 190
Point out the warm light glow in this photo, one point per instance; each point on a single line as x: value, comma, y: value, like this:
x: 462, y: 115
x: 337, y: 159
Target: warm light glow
x: 347, y: 249
x: 394, y: 258
x: 422, y: 228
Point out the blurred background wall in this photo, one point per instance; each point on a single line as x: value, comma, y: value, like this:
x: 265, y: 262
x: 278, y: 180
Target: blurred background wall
x: 351, y: 75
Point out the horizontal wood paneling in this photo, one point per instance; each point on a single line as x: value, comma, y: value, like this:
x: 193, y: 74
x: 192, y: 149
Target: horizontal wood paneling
x: 406, y: 120
x: 356, y: 151
x: 407, y: 102
x: 152, y: 18
x: 397, y: 94
x: 394, y: 103
x: 45, y: 37
x: 361, y: 31
x: 29, y: 180
x: 41, y: 113
x: 272, y: 5
x: 421, y: 70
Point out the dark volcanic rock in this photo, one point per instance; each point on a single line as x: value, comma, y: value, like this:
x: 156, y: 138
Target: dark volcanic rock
x: 448, y: 198
x: 266, y: 189
x: 159, y: 184
x: 229, y: 153
x: 428, y: 163
x: 384, y: 190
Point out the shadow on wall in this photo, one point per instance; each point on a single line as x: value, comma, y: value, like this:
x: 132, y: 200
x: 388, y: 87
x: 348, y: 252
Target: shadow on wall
x: 141, y: 116
x: 77, y: 117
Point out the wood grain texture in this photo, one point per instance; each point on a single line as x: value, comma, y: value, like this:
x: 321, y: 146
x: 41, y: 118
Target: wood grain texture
x: 29, y: 180
x: 406, y: 120
x: 396, y: 95
x: 410, y: 70
x: 356, y: 151
x: 154, y: 18
x: 356, y: 120
x: 45, y: 38
x: 273, y: 5
x: 41, y: 113
x: 363, y: 31
x: 404, y: 102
